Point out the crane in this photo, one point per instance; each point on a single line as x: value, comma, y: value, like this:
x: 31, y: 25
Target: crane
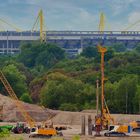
x: 20, y: 106
x: 40, y: 19
x: 35, y: 132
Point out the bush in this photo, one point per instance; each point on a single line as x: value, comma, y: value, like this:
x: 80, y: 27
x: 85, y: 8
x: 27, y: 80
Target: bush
x: 4, y: 133
x: 68, y: 107
x: 26, y: 98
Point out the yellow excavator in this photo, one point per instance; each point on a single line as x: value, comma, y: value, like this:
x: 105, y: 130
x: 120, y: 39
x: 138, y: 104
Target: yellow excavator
x: 33, y: 129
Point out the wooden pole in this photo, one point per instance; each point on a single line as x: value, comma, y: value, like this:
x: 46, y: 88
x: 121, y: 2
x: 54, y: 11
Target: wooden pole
x: 89, y: 125
x: 83, y: 129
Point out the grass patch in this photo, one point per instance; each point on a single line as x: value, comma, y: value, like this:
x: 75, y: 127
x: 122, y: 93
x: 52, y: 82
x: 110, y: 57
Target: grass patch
x: 77, y: 137
x: 56, y: 138
x: 12, y: 138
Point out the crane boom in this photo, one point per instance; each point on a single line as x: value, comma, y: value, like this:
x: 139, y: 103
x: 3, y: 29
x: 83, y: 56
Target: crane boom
x: 20, y: 106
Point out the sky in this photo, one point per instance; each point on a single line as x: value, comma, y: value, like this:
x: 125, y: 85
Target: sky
x: 71, y: 14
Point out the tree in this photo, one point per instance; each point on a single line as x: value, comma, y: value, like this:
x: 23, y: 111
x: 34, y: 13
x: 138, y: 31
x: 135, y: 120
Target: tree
x: 29, y: 52
x: 109, y: 54
x: 89, y: 52
x: 136, y: 100
x: 61, y: 90
x: 119, y: 47
x: 110, y: 96
x: 126, y: 92
x: 16, y: 79
x: 50, y: 55
x: 138, y: 48
x: 26, y: 98
x: 35, y: 53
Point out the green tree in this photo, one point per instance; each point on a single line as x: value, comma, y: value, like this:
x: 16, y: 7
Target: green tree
x: 110, y: 96
x: 136, y: 100
x: 29, y: 53
x: 26, y: 98
x: 109, y: 54
x: 119, y: 47
x: 35, y: 53
x: 16, y: 79
x: 50, y: 55
x: 138, y: 48
x: 61, y: 90
x: 89, y: 52
x: 126, y: 92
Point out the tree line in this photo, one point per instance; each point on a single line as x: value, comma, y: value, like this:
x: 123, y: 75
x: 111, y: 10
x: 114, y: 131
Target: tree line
x: 42, y: 74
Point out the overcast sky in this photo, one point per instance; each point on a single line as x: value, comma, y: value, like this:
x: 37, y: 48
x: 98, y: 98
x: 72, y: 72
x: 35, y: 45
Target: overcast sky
x: 71, y: 14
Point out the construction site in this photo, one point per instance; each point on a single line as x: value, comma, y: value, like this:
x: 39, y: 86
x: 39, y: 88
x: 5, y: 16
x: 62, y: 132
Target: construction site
x: 21, y: 120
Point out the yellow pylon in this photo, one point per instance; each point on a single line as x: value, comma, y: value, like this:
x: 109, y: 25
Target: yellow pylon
x: 102, y: 23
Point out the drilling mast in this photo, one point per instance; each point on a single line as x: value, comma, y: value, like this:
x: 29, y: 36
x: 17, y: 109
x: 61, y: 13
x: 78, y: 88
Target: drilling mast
x: 106, y: 118
x: 102, y: 50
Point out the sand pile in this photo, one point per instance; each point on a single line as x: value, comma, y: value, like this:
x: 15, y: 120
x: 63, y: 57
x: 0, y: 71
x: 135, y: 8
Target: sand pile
x: 12, y: 113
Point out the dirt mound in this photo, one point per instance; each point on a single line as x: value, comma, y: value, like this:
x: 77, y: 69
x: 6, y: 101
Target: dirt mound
x: 12, y: 113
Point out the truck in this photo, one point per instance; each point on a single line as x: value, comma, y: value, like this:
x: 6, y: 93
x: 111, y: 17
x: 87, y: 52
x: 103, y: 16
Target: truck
x: 118, y: 131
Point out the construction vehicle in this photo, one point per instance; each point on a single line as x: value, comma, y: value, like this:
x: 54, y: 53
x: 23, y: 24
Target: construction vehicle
x: 20, y: 106
x: 118, y: 131
x: 6, y: 127
x: 20, y: 128
x: 105, y: 119
x: 105, y: 116
x: 135, y: 126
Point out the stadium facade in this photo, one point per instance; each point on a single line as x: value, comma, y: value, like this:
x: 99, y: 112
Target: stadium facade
x: 72, y: 41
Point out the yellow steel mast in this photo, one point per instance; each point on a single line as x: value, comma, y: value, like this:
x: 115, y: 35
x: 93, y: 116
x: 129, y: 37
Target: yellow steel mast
x: 40, y: 19
x: 102, y: 50
x: 42, y: 32
x: 105, y: 114
x: 102, y: 23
